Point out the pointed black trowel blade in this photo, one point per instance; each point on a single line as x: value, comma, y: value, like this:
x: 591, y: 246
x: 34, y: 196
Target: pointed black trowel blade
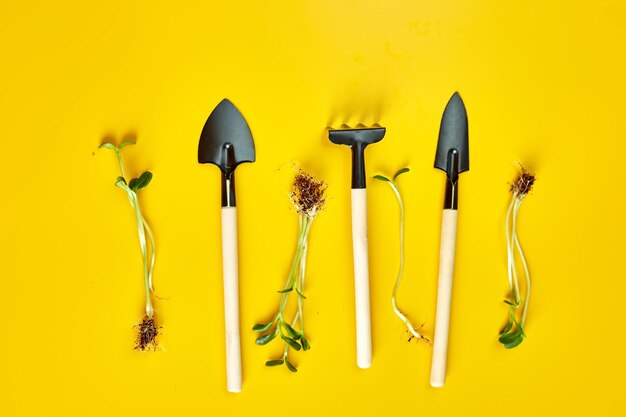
x: 226, y: 140
x: 453, y: 134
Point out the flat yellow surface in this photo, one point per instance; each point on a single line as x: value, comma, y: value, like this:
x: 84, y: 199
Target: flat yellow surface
x: 544, y: 85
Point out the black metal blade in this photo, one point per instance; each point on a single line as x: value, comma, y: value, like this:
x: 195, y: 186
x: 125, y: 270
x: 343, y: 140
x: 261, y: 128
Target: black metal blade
x: 226, y: 140
x: 453, y: 135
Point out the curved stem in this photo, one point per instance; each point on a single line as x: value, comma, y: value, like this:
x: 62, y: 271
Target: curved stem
x: 513, y: 290
x: 396, y: 286
x: 525, y: 265
x: 142, y: 229
x: 143, y: 245
x: 508, y: 243
x: 304, y: 226
x: 118, y: 153
x: 152, y: 253
x: 300, y: 285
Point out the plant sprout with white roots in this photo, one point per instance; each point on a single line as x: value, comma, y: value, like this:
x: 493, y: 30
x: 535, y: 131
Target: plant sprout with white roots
x: 513, y: 334
x: 410, y: 328
x: 148, y: 329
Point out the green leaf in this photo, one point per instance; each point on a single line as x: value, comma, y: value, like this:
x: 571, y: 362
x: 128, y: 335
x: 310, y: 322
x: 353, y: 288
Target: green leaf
x: 262, y: 327
x: 291, y: 331
x: 508, y: 338
x: 514, y: 343
x: 300, y: 294
x: 286, y: 290
x: 275, y: 362
x: 126, y: 143
x: 143, y: 180
x: 515, y: 305
x: 295, y: 345
x: 120, y: 182
x: 512, y: 339
x: 290, y: 366
x: 108, y: 146
x: 264, y: 340
x: 305, y: 343
x: 132, y: 184
x: 400, y: 172
x: 508, y: 327
x: 381, y: 178
x: 518, y: 327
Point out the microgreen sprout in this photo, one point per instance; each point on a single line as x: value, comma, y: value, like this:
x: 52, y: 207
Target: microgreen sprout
x: 308, y: 197
x: 415, y: 334
x: 513, y: 333
x: 148, y: 329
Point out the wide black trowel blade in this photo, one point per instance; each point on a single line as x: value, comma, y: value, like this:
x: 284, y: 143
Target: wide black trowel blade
x: 226, y: 140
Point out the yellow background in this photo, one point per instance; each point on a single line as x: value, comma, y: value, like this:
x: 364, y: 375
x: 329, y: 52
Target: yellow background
x: 543, y: 83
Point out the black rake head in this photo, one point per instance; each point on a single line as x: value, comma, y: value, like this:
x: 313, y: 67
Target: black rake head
x: 357, y: 138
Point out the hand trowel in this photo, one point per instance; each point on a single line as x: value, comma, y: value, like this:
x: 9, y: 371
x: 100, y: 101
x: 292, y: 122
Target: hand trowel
x: 357, y: 139
x: 452, y: 157
x: 226, y: 141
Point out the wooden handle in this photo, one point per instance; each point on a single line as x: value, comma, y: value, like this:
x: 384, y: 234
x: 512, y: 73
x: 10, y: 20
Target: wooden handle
x: 361, y: 278
x: 231, y: 299
x: 444, y: 294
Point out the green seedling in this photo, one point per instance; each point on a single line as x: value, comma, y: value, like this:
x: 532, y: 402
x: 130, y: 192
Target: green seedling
x: 148, y: 329
x: 513, y: 333
x: 308, y: 197
x: 414, y: 333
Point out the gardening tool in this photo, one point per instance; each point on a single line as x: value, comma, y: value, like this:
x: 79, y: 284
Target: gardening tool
x: 452, y: 157
x: 357, y: 139
x: 226, y: 141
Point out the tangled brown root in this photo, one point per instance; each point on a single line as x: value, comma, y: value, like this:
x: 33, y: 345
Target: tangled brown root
x: 147, y: 334
x: 523, y: 184
x: 308, y: 194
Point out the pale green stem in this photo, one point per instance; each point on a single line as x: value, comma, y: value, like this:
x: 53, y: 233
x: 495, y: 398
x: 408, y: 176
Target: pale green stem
x: 152, y: 253
x: 142, y: 228
x: 516, y: 296
x: 118, y: 153
x: 304, y: 227
x: 524, y: 263
x: 299, y: 315
x: 144, y: 254
x: 396, y: 286
x: 296, y: 275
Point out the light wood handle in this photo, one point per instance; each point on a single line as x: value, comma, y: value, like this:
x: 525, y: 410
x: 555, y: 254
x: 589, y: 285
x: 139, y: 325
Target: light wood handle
x: 444, y: 295
x: 231, y: 299
x: 361, y: 278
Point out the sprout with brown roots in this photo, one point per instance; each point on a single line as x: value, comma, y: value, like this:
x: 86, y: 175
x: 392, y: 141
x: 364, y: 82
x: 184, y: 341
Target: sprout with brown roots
x: 308, y: 197
x: 513, y: 334
x: 147, y: 329
x: 146, y: 336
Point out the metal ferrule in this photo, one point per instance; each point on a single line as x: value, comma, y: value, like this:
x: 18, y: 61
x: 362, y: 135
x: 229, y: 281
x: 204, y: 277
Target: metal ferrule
x: 452, y: 184
x: 358, y: 166
x: 451, y: 198
x: 228, y: 190
x: 228, y: 176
